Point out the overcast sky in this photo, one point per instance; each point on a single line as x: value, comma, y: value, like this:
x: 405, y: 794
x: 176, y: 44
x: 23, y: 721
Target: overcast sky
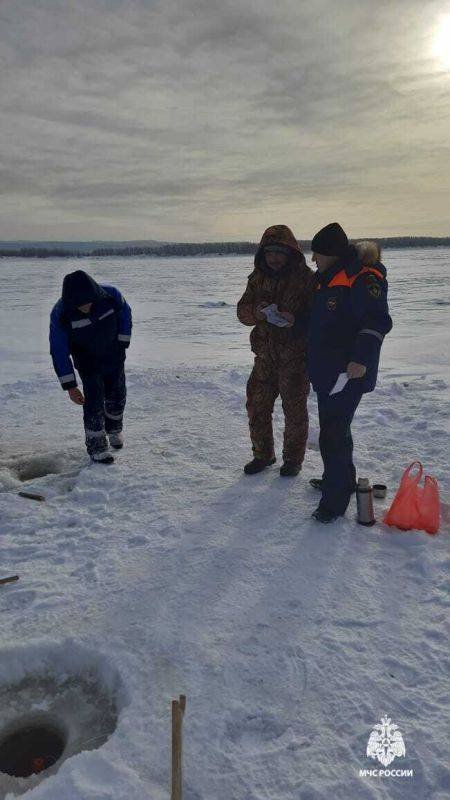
x: 188, y: 120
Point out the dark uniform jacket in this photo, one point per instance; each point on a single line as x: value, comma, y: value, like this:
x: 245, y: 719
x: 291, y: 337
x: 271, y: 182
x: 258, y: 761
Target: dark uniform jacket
x: 349, y: 319
x: 96, y: 341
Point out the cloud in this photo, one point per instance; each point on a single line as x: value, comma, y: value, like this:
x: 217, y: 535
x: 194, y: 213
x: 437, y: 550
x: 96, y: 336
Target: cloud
x: 198, y: 119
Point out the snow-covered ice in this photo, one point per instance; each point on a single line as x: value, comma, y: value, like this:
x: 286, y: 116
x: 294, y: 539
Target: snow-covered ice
x: 179, y: 574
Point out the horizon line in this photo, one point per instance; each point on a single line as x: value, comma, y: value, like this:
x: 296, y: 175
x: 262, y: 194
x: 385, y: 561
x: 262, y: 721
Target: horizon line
x: 200, y: 241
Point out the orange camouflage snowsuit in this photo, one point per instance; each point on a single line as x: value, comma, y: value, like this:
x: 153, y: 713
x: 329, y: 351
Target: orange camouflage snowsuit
x: 280, y: 353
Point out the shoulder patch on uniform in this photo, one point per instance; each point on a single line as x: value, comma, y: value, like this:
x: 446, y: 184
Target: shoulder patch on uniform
x: 373, y: 286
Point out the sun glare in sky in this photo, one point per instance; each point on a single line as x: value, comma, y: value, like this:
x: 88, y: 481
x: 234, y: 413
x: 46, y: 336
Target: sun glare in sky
x: 441, y: 45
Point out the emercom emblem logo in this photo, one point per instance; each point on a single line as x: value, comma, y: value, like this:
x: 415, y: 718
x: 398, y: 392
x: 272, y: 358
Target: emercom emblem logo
x: 386, y: 744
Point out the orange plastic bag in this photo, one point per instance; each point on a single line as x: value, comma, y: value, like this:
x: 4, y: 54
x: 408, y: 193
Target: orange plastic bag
x: 429, y: 505
x: 412, y: 506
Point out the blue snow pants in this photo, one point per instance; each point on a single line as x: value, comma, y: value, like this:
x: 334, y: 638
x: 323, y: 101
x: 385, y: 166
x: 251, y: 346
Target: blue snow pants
x: 336, y: 446
x: 104, y: 404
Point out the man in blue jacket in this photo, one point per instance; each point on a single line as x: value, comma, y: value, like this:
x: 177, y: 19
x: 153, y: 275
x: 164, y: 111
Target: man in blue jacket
x: 349, y: 320
x: 91, y: 324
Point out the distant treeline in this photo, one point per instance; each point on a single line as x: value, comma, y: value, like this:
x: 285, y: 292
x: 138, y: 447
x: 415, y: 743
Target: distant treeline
x: 201, y: 249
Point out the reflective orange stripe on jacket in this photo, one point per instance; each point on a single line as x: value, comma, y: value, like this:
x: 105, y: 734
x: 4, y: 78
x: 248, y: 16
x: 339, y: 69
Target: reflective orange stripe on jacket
x: 342, y: 279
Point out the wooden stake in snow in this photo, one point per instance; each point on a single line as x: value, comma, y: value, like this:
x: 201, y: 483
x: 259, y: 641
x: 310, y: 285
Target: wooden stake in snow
x: 9, y: 580
x: 178, y: 709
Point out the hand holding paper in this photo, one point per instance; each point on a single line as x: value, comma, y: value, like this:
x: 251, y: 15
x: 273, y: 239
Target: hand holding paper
x: 274, y: 317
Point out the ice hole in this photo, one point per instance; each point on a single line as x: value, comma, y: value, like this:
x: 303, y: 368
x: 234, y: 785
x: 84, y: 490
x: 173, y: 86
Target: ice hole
x: 31, y: 467
x: 46, y: 719
x: 31, y: 747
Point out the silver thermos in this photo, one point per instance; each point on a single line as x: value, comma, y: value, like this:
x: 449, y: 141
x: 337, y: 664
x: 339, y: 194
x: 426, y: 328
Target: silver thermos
x: 364, y: 502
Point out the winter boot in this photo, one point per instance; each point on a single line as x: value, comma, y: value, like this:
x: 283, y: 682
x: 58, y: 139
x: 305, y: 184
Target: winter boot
x: 116, y: 439
x: 102, y: 458
x: 289, y: 469
x: 257, y: 465
x: 322, y: 515
x: 316, y: 483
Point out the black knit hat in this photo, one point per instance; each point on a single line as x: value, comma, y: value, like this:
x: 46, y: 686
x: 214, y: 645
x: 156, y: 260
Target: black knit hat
x: 330, y: 241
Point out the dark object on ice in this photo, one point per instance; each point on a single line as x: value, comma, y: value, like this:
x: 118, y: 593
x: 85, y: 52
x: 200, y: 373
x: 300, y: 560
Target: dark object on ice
x: 330, y: 241
x: 364, y: 500
x: 290, y: 469
x: 32, y: 496
x: 257, y: 465
x: 379, y: 490
x: 11, y: 579
x: 322, y: 515
x: 30, y: 749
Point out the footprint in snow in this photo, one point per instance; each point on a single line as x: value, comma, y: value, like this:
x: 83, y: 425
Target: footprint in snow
x: 251, y: 729
x: 137, y: 541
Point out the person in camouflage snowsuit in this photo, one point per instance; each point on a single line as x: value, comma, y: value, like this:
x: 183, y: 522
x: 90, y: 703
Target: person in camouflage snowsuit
x: 280, y: 277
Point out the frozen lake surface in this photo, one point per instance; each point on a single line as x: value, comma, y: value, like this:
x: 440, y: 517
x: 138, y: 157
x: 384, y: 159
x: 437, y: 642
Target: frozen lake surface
x: 180, y: 574
x: 184, y: 309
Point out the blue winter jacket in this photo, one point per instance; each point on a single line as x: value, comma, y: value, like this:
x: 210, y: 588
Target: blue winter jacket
x: 349, y: 319
x: 94, y: 342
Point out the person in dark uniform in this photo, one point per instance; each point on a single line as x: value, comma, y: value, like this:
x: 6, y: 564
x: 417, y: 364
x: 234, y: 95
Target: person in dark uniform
x: 92, y: 323
x: 349, y: 320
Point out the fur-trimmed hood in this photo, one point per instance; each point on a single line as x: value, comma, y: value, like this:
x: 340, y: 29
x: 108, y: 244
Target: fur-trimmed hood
x: 369, y: 253
x: 361, y: 254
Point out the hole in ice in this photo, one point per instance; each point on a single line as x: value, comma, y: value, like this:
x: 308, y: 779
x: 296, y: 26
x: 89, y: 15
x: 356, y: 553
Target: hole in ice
x: 31, y: 747
x: 31, y: 467
x: 27, y: 467
x: 48, y: 717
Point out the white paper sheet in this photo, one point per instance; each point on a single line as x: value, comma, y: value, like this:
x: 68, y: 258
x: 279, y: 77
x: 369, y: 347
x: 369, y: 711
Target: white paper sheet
x: 340, y: 383
x: 273, y: 317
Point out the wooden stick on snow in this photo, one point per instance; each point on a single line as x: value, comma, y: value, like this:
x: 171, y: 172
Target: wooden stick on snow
x: 32, y: 496
x: 10, y: 579
x: 178, y: 709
